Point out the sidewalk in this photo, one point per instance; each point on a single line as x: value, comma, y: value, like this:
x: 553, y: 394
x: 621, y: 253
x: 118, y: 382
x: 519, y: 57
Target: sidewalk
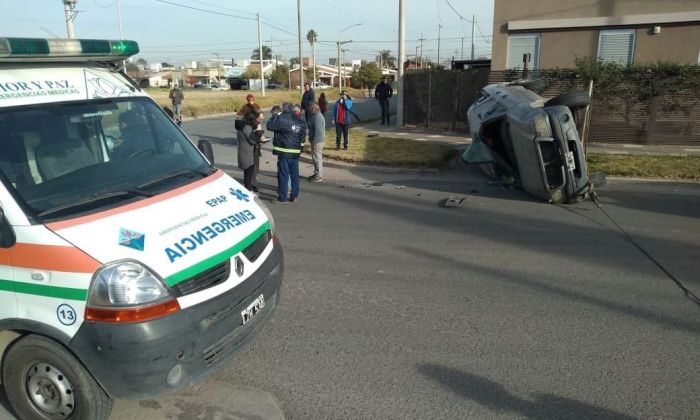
x: 462, y: 140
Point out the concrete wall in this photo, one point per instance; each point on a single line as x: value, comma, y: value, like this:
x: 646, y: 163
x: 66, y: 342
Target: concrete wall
x: 677, y: 42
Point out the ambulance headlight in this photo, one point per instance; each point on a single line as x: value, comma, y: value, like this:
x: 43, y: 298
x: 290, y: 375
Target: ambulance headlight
x: 126, y: 284
x: 268, y: 213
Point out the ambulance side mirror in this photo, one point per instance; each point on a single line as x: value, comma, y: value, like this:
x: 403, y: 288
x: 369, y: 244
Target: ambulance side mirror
x: 7, y: 234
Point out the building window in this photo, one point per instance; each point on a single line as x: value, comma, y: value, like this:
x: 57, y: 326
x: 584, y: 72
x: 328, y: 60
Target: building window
x: 616, y: 46
x: 521, y: 44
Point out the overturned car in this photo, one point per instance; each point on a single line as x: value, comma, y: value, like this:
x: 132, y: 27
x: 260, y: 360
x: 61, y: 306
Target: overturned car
x: 519, y: 137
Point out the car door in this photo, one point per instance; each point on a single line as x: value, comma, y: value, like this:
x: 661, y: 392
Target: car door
x: 8, y: 299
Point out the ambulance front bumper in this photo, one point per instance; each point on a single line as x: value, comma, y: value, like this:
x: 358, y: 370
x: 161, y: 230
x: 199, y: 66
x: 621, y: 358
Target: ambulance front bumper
x: 146, y: 359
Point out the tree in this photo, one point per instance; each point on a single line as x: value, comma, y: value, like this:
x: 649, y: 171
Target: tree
x: 251, y: 73
x: 280, y: 75
x: 387, y: 60
x: 293, y: 61
x: 267, y: 53
x: 367, y: 75
x: 312, y: 37
x: 166, y: 65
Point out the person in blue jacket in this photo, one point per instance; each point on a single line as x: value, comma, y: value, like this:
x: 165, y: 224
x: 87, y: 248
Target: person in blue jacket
x: 341, y: 119
x: 289, y: 131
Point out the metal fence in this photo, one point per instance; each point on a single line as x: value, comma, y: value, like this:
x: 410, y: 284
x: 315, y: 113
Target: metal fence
x: 440, y: 99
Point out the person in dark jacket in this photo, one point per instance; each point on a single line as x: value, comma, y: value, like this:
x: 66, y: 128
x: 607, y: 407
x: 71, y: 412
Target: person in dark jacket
x: 288, y: 140
x: 341, y: 119
x: 323, y: 104
x: 249, y: 139
x: 306, y: 99
x: 382, y: 93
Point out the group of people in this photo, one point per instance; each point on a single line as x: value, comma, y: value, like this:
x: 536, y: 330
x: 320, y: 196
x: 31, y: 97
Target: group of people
x: 290, y: 131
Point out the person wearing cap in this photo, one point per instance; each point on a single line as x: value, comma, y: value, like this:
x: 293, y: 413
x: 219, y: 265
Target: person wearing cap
x: 341, y: 119
x: 306, y: 99
x: 287, y: 143
x: 176, y: 96
x: 382, y: 93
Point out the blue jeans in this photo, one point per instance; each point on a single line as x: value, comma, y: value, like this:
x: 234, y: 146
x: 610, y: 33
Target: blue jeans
x: 286, y: 168
x: 341, y: 129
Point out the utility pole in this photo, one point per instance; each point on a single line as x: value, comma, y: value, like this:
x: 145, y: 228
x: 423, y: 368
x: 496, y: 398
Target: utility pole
x: 340, y: 79
x: 119, y: 18
x: 218, y: 68
x: 473, y: 23
x: 69, y: 10
x: 260, y: 50
x: 462, y: 48
x: 421, y: 50
x: 438, y: 58
x: 402, y: 58
x: 301, y: 58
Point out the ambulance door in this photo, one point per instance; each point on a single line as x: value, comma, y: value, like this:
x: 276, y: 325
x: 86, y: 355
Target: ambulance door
x: 8, y: 299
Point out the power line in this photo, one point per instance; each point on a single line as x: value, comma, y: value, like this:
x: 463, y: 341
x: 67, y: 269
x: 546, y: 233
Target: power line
x: 204, y: 10
x: 454, y: 10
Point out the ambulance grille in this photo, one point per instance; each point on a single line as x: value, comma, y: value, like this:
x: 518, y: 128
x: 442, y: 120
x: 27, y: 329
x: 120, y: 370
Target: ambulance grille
x: 253, y: 251
x: 204, y: 280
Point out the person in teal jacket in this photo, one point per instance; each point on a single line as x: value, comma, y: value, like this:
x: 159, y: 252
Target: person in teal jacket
x: 341, y: 119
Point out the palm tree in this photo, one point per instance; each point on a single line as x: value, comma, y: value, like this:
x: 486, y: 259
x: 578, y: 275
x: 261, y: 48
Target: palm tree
x: 267, y: 53
x: 386, y: 59
x: 312, y: 37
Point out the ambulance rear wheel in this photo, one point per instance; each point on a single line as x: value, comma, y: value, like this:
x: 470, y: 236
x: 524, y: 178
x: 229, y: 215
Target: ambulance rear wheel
x: 45, y: 381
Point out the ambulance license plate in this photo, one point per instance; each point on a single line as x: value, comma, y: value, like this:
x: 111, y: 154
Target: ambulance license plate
x: 248, y: 313
x: 570, y: 161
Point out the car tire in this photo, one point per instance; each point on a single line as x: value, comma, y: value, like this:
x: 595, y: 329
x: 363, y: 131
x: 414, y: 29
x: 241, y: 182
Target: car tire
x: 531, y: 84
x: 573, y: 100
x: 35, y: 363
x: 204, y: 146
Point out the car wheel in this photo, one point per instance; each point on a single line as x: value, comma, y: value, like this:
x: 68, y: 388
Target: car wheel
x: 204, y: 146
x: 572, y: 100
x: 45, y: 381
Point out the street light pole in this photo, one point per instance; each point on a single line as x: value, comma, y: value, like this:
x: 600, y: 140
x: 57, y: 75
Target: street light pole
x: 260, y: 50
x: 301, y: 58
x: 119, y: 18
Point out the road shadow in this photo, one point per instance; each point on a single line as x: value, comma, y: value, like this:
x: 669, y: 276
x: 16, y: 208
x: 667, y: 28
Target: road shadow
x: 222, y: 141
x: 495, y: 397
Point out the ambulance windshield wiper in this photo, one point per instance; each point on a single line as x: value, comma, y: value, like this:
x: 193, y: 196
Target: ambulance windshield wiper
x: 190, y: 173
x: 95, y: 198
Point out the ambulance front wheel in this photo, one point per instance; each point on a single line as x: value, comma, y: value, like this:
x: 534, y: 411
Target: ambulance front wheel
x: 45, y: 381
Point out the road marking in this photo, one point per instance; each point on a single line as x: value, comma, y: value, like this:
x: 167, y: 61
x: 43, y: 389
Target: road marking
x: 436, y: 136
x: 636, y: 146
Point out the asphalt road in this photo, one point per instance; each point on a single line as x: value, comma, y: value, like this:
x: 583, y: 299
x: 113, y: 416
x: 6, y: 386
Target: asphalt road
x: 506, y: 307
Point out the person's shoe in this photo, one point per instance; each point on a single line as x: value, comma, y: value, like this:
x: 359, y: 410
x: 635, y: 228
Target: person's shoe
x: 315, y: 179
x: 293, y: 199
x: 337, y: 147
x: 345, y: 147
x: 278, y: 201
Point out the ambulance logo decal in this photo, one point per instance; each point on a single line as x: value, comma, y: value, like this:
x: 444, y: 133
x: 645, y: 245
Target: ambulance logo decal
x: 132, y: 239
x: 239, y: 194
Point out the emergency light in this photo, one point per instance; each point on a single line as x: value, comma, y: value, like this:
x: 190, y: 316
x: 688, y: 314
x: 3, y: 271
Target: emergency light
x: 25, y: 49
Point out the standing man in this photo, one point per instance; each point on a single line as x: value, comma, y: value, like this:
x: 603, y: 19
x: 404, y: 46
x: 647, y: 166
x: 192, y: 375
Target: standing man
x: 341, y: 119
x: 306, y: 99
x: 288, y: 140
x: 317, y: 136
x: 382, y: 93
x: 176, y: 97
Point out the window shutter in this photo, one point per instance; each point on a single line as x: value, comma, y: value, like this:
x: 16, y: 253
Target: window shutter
x: 616, y: 46
x: 523, y: 44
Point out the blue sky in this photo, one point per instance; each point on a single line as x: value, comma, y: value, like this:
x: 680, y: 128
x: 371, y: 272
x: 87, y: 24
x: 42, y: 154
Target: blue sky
x: 167, y: 31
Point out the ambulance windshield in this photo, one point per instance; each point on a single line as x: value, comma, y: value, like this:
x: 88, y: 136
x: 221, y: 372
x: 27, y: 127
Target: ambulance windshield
x: 64, y: 160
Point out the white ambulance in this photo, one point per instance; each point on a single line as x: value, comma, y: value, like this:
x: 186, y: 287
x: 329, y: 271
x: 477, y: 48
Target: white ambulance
x: 129, y: 265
